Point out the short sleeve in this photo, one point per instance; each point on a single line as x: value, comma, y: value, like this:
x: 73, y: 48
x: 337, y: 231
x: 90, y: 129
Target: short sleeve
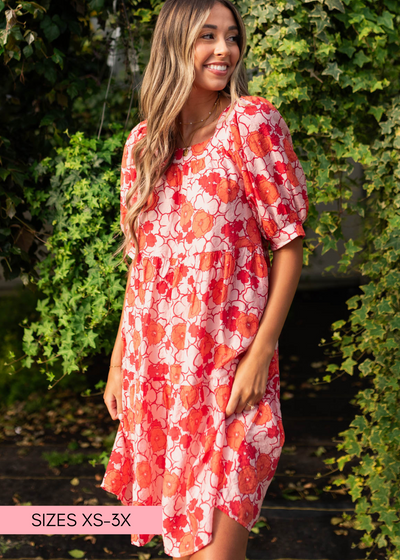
x: 274, y: 181
x: 128, y: 170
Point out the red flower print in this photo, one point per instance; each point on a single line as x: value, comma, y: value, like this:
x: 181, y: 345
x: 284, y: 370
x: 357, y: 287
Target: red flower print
x: 247, y: 480
x: 167, y: 399
x: 113, y: 482
x: 292, y: 175
x: 209, y: 182
x: 170, y: 484
x: 178, y: 335
x: 223, y: 355
x: 220, y: 292
x: 247, y: 325
x: 143, y: 474
x: 202, y: 223
x: 158, y: 440
x: 235, y: 434
x: 229, y: 266
x: 227, y: 190
x: 194, y: 420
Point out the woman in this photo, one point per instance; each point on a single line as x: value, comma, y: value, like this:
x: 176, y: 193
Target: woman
x: 209, y: 178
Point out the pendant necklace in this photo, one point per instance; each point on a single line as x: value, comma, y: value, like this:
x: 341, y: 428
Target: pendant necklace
x: 186, y: 150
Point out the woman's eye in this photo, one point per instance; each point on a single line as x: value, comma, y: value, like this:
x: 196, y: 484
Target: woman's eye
x: 234, y: 37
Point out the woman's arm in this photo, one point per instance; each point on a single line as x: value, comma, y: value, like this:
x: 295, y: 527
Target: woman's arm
x: 113, y: 391
x: 252, y: 371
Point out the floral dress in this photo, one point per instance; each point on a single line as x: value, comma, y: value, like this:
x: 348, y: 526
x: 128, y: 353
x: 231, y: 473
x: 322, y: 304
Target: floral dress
x: 193, y: 306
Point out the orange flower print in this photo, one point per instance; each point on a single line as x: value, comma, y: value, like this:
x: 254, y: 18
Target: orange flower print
x: 247, y: 325
x: 148, y: 270
x: 174, y: 175
x: 189, y: 396
x: 292, y: 175
x: 197, y: 165
x: 170, y: 484
x: 270, y: 227
x: 136, y: 339
x: 264, y: 414
x: 223, y: 355
x: 158, y: 439
x: 130, y: 298
x: 235, y: 434
x: 186, y: 213
x: 132, y: 392
x: 210, y: 441
x: 282, y: 432
x: 267, y: 190
x: 263, y: 466
x: 227, y: 190
x: 195, y: 305
x: 253, y: 232
x: 175, y: 373
x: 259, y: 266
x: 143, y: 474
x: 178, y: 335
x: 206, y: 344
x: 151, y: 202
x: 202, y: 223
x: 300, y: 230
x: 259, y: 144
x: 236, y: 136
x: 216, y: 463
x: 222, y: 394
x: 177, y: 277
x: 229, y: 266
x: 187, y: 544
x: 198, y: 149
x: 167, y: 396
x: 246, y: 512
x: 190, y: 480
x: 194, y: 525
x: 155, y: 332
x: 113, y: 482
x: 289, y: 150
x: 206, y: 261
x: 138, y: 412
x: 141, y: 293
x: 194, y: 420
x: 247, y: 480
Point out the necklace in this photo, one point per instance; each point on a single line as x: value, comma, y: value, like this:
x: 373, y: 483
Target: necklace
x: 201, y: 120
x: 185, y: 151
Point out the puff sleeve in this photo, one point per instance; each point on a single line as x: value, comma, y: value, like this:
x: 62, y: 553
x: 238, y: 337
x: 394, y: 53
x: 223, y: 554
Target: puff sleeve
x: 128, y: 170
x: 274, y: 181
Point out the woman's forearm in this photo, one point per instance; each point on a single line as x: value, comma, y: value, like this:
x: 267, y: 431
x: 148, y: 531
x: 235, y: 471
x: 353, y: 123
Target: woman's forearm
x: 116, y: 356
x: 284, y: 278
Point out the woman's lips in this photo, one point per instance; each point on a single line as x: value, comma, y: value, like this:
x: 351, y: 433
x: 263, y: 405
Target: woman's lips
x: 217, y: 72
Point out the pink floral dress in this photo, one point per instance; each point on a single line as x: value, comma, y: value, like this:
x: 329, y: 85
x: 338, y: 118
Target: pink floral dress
x: 193, y: 307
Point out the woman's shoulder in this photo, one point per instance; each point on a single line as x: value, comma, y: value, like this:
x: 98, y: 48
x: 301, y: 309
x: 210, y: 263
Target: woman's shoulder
x: 254, y: 106
x: 136, y: 133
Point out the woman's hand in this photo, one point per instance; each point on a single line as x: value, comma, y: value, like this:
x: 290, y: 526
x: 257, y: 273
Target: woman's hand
x: 250, y: 383
x: 113, y: 393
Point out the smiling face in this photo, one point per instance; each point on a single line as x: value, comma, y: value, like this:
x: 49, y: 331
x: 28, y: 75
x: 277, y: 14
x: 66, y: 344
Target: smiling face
x: 216, y: 50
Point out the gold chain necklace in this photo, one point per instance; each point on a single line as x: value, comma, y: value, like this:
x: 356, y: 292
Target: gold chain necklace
x: 186, y: 150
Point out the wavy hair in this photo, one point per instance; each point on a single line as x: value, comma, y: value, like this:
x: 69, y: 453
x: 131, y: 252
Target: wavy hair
x: 166, y: 85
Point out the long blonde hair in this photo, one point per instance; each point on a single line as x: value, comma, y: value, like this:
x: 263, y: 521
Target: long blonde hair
x: 166, y: 85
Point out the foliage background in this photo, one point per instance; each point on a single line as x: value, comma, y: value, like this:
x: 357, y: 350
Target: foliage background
x: 332, y: 69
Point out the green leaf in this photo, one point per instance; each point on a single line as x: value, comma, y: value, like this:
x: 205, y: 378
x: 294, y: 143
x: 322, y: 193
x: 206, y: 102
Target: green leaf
x: 335, y: 5
x: 2, y: 5
x: 76, y: 553
x: 333, y: 70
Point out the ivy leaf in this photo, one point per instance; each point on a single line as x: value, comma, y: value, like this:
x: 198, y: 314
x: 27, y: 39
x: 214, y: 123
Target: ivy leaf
x: 332, y: 70
x: 335, y: 5
x: 386, y: 19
